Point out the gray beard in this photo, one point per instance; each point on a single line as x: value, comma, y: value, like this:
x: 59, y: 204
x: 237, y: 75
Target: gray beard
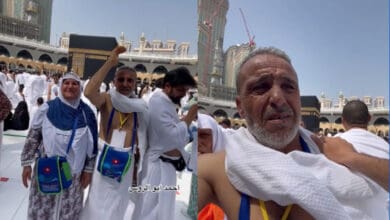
x: 275, y: 140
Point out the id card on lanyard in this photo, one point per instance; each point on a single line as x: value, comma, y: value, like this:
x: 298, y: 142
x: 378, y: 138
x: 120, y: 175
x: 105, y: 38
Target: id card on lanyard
x: 118, y: 138
x: 118, y: 135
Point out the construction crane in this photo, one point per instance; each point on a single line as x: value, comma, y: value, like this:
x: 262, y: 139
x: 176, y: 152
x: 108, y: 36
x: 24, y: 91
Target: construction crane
x: 251, y: 38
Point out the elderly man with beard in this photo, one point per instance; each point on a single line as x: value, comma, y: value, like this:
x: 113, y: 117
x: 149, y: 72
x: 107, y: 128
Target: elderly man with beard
x: 273, y: 169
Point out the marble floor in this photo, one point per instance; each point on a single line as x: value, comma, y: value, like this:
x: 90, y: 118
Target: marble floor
x: 14, y: 196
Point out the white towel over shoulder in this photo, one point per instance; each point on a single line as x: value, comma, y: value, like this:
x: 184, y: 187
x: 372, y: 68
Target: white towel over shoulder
x: 323, y: 188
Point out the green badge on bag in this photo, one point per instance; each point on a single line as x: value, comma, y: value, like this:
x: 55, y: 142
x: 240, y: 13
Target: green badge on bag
x: 66, y: 171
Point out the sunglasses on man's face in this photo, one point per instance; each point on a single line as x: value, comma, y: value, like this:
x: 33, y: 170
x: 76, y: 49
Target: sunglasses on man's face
x: 121, y: 80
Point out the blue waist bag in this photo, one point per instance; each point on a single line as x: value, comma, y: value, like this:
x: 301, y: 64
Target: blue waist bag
x: 53, y: 174
x: 113, y: 164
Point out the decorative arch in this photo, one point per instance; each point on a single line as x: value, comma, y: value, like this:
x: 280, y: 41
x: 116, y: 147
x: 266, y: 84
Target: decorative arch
x: 381, y: 121
x: 160, y: 70
x: 45, y: 58
x: 324, y: 120
x: 220, y: 113
x: 63, y: 61
x: 24, y: 54
x: 236, y: 115
x: 140, y: 68
x: 4, y: 51
x: 338, y: 120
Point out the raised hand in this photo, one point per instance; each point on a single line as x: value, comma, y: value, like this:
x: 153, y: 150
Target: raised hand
x: 114, y: 56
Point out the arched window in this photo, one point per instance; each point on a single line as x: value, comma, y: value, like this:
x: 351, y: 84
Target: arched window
x: 63, y: 61
x: 4, y: 51
x: 236, y: 115
x: 45, y: 58
x: 324, y: 120
x: 220, y: 113
x: 381, y: 121
x: 24, y: 54
x: 140, y: 68
x: 160, y: 70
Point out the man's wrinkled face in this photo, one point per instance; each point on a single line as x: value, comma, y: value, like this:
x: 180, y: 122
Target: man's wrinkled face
x: 125, y: 81
x: 205, y: 140
x: 269, y: 100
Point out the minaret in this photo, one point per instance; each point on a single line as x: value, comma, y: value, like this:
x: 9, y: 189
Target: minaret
x: 142, y: 43
x: 216, y: 74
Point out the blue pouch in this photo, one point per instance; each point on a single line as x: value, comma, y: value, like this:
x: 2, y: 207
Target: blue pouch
x: 113, y: 163
x: 53, y: 174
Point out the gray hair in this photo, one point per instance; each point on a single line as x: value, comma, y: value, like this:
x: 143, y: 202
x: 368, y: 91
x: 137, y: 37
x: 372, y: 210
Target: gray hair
x: 124, y: 67
x: 261, y: 51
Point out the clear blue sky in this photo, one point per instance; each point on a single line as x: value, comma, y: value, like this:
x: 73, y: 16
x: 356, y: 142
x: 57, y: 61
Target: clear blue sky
x: 335, y: 45
x: 164, y: 20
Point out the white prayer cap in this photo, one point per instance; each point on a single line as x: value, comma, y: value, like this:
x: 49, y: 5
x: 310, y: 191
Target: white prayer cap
x: 206, y: 121
x: 70, y: 75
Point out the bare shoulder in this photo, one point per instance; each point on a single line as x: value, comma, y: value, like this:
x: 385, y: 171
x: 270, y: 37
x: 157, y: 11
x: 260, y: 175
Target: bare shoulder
x: 210, y: 165
x: 211, y: 168
x: 213, y: 157
x: 96, y: 98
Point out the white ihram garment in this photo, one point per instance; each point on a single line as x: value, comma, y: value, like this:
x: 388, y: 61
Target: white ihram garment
x: 166, y: 132
x: 109, y: 199
x: 37, y: 89
x: 323, y: 188
x: 368, y: 143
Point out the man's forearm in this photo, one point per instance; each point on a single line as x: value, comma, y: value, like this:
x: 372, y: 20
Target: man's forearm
x: 375, y: 168
x: 92, y: 88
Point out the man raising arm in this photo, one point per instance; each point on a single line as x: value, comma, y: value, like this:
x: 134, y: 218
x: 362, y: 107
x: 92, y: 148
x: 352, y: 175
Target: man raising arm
x: 123, y: 128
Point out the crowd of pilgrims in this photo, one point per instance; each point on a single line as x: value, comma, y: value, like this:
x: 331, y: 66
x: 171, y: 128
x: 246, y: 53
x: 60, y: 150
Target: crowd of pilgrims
x: 27, y: 90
